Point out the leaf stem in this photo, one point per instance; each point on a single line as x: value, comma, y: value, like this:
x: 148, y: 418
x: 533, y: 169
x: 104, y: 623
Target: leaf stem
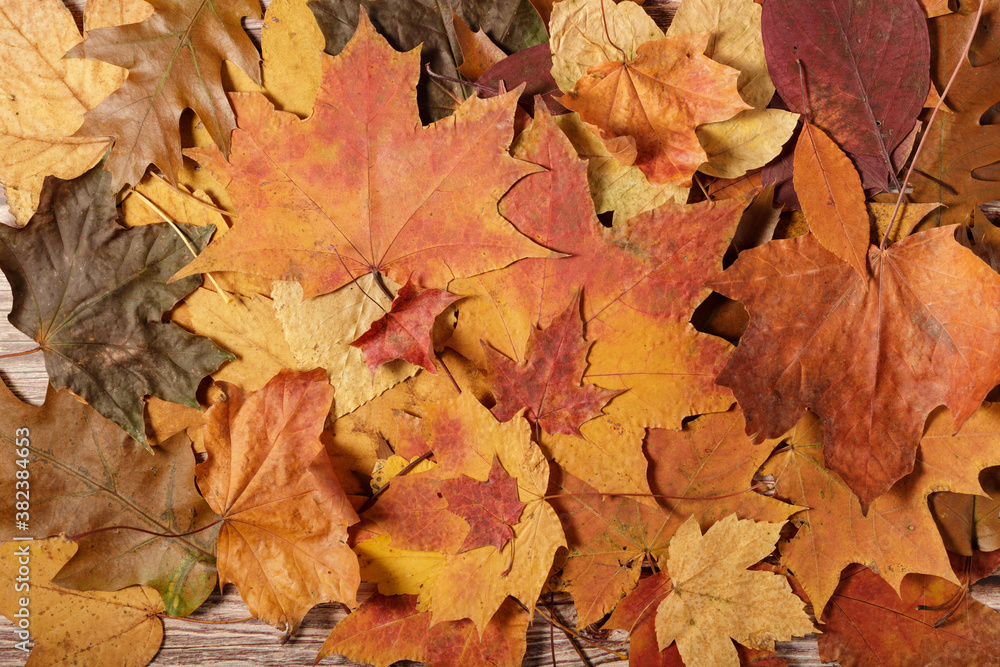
x: 410, y: 466
x: 755, y: 487
x: 159, y: 211
x: 930, y: 123
x: 21, y: 353
x: 74, y: 538
x: 188, y: 195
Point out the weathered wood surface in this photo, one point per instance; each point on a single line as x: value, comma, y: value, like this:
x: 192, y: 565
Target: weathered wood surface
x: 252, y: 642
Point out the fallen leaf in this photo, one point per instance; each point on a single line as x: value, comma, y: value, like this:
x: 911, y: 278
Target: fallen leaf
x: 865, y: 66
x: 44, y: 101
x: 479, y: 53
x: 85, y: 627
x: 347, y: 228
x: 832, y: 199
x: 636, y: 613
x: 110, y: 13
x: 387, y: 629
x: 320, y: 331
x: 585, y: 33
x: 548, y: 382
x: 873, y: 421
x: 75, y: 453
x: 92, y: 295
x: 745, y: 142
x: 269, y: 477
x: 970, y: 522
x: 491, y: 508
x: 867, y: 623
x: 898, y: 535
x: 960, y: 149
x: 715, y: 597
x: 910, y: 214
x: 404, y: 331
x: 143, y: 115
x: 511, y: 24
x: 659, y: 97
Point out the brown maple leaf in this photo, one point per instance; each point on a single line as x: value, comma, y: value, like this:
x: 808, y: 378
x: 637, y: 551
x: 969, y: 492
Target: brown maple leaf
x: 405, y: 200
x: 871, y: 356
x: 405, y: 331
x: 960, y: 151
x: 659, y: 98
x: 548, y: 382
x: 174, y: 61
x: 490, y: 508
x: 270, y: 478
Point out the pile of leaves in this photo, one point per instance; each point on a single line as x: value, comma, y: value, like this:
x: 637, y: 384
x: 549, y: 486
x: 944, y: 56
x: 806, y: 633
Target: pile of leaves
x: 692, y: 316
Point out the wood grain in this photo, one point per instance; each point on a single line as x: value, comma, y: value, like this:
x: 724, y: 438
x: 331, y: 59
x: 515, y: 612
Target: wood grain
x: 251, y: 642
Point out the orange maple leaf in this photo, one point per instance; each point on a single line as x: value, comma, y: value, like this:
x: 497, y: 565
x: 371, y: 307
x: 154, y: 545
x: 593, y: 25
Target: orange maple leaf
x: 871, y: 356
x: 270, y: 478
x: 659, y: 98
x: 362, y: 186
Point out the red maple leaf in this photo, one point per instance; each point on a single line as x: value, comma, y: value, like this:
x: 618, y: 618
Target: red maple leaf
x: 489, y: 507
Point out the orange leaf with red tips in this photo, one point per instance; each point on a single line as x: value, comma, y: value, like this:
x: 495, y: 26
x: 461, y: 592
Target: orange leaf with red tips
x: 548, y: 383
x: 404, y: 200
x: 659, y: 98
x: 385, y: 630
x: 405, y: 331
x: 490, y: 508
x: 270, y: 478
x: 866, y: 623
x: 871, y: 356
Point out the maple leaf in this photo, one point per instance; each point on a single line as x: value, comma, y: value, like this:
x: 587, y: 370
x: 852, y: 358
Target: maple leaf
x: 548, y: 383
x: 585, y: 33
x: 865, y: 86
x: 386, y: 629
x: 898, y: 535
x: 659, y: 97
x: 490, y: 508
x: 610, y: 537
x: 90, y: 627
x: 404, y: 332
x: 410, y: 24
x: 351, y: 226
x: 832, y: 198
x: 174, y: 60
x: 45, y: 99
x: 270, y: 478
x: 320, y: 330
x: 638, y: 314
x: 867, y: 622
x: 960, y: 149
x: 715, y: 597
x: 636, y: 613
x: 913, y: 334
x: 75, y: 453
x: 92, y: 295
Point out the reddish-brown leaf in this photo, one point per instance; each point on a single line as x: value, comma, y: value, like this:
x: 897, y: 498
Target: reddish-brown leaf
x: 636, y: 613
x: 868, y: 624
x: 405, y: 331
x: 872, y: 360
x: 385, y: 630
x: 491, y: 508
x: 548, y: 382
x: 404, y: 200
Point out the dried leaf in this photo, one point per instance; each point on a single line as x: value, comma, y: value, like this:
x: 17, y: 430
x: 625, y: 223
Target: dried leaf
x: 269, y: 477
x: 491, y: 508
x: 174, y: 61
x: 92, y: 295
x: 715, y: 597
